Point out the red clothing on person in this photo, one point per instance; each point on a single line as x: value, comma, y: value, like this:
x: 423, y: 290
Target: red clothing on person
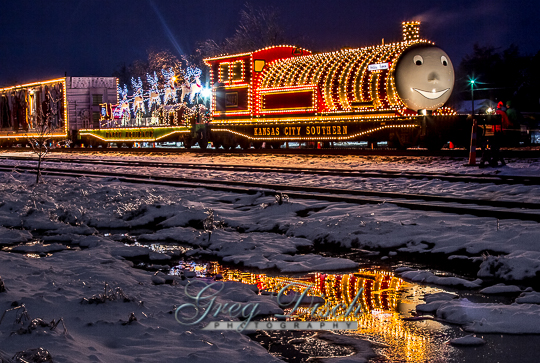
x: 504, y: 121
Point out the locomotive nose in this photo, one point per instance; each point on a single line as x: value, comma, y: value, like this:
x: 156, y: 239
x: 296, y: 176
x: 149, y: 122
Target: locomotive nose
x: 433, y: 78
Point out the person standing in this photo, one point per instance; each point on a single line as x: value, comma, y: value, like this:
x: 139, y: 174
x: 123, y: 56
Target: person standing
x: 513, y: 114
x: 491, y: 155
x: 514, y: 119
x: 505, y: 123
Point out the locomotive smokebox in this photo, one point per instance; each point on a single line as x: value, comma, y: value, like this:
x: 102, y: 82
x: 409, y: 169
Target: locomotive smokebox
x: 424, y: 77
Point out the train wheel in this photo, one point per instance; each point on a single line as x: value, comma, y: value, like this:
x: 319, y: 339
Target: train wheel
x: 245, y: 145
x: 187, y: 142
x: 257, y: 144
x: 229, y: 145
x: 396, y: 144
x: 203, y: 144
x: 434, y: 144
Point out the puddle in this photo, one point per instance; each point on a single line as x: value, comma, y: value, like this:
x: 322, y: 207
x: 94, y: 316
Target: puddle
x: 38, y: 249
x: 385, y: 300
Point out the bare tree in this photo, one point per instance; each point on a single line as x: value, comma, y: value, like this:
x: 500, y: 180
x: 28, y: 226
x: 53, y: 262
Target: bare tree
x: 259, y: 27
x: 156, y: 61
x: 41, y: 138
x: 44, y: 125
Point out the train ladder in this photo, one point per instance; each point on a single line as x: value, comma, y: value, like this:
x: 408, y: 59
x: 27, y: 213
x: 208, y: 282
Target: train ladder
x: 472, y: 152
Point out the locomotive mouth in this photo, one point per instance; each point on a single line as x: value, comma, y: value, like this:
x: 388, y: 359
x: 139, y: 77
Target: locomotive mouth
x: 431, y: 95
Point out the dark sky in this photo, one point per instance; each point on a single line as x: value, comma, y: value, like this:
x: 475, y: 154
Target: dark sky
x: 43, y: 39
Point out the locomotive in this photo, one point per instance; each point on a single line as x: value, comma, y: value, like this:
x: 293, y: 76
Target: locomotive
x: 393, y: 92
x: 389, y: 92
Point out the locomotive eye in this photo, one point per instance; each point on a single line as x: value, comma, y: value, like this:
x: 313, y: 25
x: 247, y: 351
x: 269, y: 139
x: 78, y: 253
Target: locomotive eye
x: 444, y: 61
x: 418, y: 60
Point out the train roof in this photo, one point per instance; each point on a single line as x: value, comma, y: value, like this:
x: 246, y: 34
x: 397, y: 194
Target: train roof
x: 268, y: 53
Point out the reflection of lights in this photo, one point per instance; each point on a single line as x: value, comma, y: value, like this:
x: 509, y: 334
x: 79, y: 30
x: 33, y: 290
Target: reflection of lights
x: 381, y: 297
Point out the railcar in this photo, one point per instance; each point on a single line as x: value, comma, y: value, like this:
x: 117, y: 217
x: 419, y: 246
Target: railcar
x: 65, y: 105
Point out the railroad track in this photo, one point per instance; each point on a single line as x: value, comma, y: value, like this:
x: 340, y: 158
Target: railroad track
x: 510, y: 153
x: 476, y: 207
x: 451, y: 177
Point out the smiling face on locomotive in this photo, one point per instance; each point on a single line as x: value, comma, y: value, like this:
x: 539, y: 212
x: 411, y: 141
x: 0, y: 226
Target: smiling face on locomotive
x: 424, y: 77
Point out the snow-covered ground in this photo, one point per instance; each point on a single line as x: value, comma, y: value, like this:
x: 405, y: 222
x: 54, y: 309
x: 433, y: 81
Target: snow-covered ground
x: 78, y: 221
x: 519, y: 193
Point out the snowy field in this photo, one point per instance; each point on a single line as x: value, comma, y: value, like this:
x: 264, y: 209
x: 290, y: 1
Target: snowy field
x: 527, y: 167
x: 79, y: 223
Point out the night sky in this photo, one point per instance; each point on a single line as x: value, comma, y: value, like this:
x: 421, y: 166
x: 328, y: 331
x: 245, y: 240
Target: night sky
x: 41, y: 40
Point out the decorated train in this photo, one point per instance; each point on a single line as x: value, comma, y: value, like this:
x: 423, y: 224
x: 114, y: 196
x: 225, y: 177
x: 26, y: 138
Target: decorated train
x: 392, y: 92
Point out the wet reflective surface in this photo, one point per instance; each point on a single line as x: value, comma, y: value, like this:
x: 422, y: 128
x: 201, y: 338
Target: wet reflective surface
x: 381, y: 299
x: 384, y: 303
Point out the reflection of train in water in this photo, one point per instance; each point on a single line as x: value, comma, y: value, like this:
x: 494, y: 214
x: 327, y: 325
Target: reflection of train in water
x: 390, y: 92
x: 377, y: 290
x: 383, y: 297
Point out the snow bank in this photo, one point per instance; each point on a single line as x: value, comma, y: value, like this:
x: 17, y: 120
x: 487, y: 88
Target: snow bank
x: 39, y: 248
x: 529, y: 297
x: 501, y: 289
x: 517, y: 265
x: 13, y: 236
x: 489, y: 317
x: 53, y: 288
x: 267, y: 251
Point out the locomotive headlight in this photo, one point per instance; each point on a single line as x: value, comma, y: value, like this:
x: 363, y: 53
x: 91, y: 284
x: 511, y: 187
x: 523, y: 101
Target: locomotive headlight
x: 424, y: 77
x: 206, y: 92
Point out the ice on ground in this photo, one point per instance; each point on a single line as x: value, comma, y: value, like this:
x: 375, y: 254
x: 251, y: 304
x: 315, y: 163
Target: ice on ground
x: 68, y: 211
x: 468, y: 340
x: 363, y: 349
x: 427, y: 277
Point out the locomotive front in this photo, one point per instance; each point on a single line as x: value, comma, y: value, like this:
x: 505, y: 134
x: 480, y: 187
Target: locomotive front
x: 424, y: 77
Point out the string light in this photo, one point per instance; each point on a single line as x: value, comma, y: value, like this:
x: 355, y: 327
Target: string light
x: 274, y: 87
x: 30, y: 94
x: 341, y: 82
